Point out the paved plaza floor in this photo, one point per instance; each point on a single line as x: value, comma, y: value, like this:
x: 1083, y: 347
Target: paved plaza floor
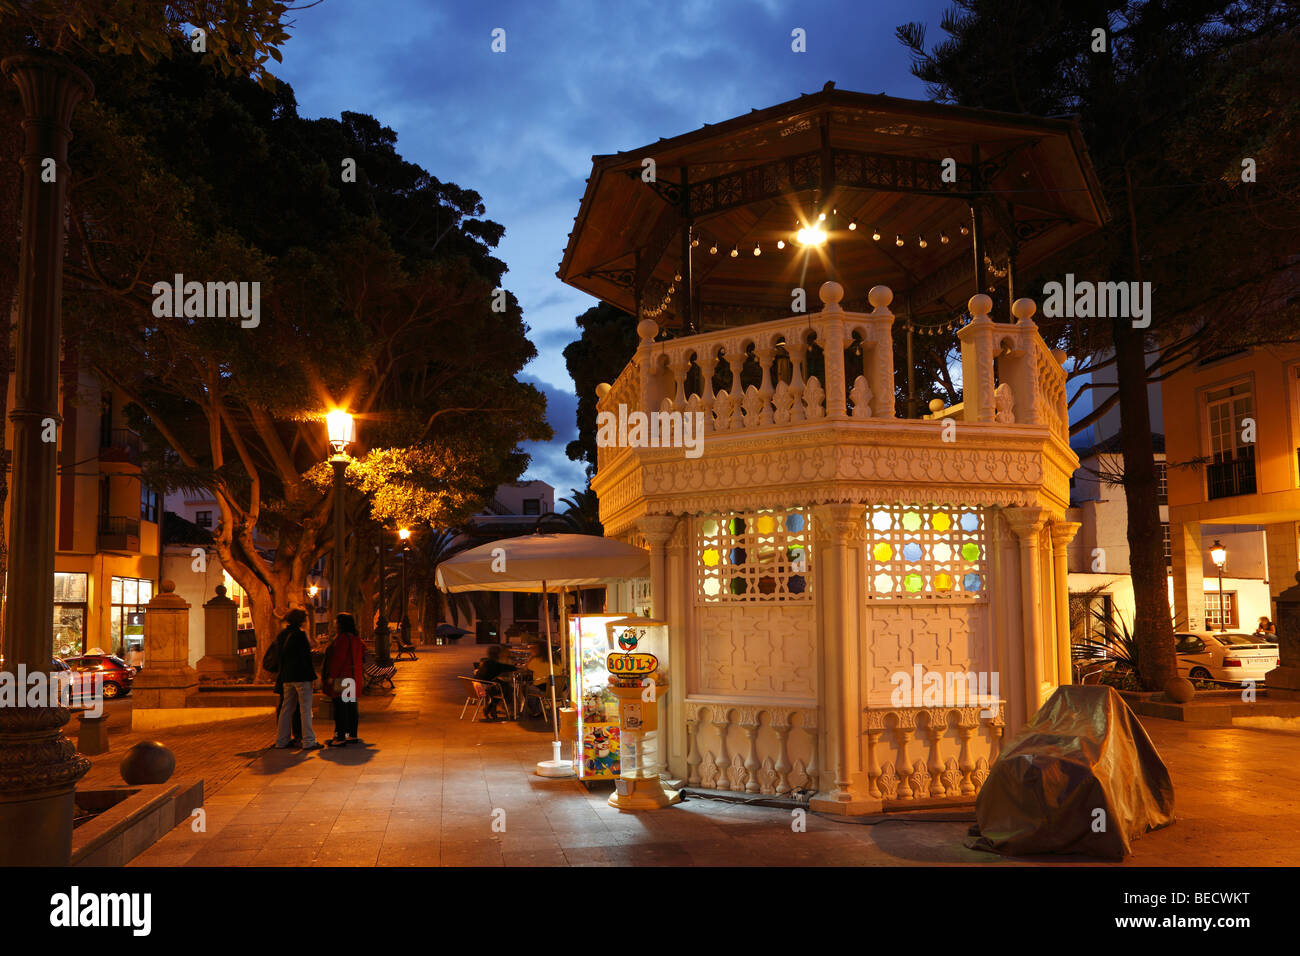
x: 424, y: 789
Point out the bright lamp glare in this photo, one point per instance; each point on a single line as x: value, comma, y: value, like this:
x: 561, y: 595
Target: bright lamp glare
x: 338, y: 425
x: 811, y: 236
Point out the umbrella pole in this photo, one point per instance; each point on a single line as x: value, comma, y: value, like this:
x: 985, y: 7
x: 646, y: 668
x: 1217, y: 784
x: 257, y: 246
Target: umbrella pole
x: 555, y: 767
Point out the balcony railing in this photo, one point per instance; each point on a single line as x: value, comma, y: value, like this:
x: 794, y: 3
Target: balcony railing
x: 1231, y: 477
x: 119, y: 444
x: 117, y: 533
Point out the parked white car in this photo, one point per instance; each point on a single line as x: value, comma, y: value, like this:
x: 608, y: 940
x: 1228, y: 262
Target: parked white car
x: 1224, y: 656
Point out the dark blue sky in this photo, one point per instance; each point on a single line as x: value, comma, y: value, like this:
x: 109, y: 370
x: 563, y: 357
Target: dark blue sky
x: 576, y: 79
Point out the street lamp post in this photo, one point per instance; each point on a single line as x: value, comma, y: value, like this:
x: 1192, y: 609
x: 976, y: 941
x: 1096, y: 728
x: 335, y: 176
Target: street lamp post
x: 39, y: 767
x: 381, y: 623
x: 338, y: 424
x: 405, y: 624
x: 1219, y: 555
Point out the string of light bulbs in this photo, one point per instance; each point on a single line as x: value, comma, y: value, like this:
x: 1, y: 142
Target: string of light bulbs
x: 816, y: 235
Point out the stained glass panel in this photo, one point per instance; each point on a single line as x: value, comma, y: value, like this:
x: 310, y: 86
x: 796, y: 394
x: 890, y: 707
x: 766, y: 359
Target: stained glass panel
x: 918, y: 552
x: 756, y: 556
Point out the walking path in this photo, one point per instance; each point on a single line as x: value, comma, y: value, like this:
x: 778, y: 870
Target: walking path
x: 424, y: 790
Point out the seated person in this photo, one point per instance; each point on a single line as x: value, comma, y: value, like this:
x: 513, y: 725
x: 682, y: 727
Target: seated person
x: 539, y: 675
x: 490, y: 670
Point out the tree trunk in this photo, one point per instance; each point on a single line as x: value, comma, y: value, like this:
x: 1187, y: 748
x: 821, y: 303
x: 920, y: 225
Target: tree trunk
x: 1153, y: 627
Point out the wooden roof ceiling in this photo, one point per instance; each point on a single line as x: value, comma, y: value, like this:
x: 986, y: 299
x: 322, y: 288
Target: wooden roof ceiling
x: 878, y: 160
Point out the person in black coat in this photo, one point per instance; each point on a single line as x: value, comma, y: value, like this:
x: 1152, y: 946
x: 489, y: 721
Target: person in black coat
x: 490, y: 670
x: 295, y: 677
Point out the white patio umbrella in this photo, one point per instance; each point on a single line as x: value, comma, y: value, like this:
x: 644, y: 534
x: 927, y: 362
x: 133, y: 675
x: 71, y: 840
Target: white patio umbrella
x: 543, y: 563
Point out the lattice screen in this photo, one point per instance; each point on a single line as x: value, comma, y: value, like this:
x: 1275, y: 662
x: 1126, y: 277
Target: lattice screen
x: 922, y: 551
x: 754, y: 556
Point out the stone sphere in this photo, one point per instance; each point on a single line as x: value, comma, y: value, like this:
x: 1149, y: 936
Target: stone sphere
x: 880, y: 296
x: 936, y: 405
x: 148, y: 762
x: 979, y: 304
x: 1179, y: 690
x: 602, y: 389
x: 647, y: 329
x: 1024, y: 309
x: 831, y: 293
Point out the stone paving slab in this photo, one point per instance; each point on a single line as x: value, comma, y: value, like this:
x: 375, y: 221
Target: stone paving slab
x: 422, y: 790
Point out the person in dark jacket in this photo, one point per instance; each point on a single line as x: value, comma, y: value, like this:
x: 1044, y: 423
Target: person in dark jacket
x: 490, y: 670
x: 296, y: 740
x: 342, y: 678
x: 296, y: 674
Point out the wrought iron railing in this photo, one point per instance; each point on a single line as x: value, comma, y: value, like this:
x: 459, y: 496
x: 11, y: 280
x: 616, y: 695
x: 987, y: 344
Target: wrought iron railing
x: 117, y: 525
x: 1230, y: 477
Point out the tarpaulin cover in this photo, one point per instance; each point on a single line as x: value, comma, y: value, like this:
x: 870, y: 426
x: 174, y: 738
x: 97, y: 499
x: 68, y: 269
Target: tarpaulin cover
x: 1082, y: 752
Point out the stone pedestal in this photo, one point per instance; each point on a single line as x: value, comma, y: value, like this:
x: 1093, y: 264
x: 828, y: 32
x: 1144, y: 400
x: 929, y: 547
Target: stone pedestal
x: 1284, y: 680
x: 219, y: 659
x: 167, y: 680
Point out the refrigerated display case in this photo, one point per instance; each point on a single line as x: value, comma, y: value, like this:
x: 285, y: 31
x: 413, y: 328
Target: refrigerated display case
x: 596, y: 748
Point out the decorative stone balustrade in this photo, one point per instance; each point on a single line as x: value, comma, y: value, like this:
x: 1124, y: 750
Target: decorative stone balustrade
x: 754, y: 748
x: 930, y: 753
x: 833, y: 366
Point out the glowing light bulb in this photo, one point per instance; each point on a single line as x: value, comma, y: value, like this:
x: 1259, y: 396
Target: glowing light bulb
x: 853, y: 224
x: 943, y: 238
x: 920, y: 241
x: 780, y: 243
x: 875, y: 234
x: 735, y: 251
x: 898, y: 239
x: 757, y: 251
x: 713, y: 249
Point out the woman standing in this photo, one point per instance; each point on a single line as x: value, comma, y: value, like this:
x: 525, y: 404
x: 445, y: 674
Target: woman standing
x: 342, y: 678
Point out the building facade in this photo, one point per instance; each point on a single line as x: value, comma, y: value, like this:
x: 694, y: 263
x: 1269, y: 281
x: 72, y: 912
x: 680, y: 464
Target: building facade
x: 108, y: 540
x: 1234, y: 475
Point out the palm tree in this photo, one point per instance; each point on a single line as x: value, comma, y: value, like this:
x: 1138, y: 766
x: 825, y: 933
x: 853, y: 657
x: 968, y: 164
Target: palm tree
x: 582, y: 512
x: 429, y: 551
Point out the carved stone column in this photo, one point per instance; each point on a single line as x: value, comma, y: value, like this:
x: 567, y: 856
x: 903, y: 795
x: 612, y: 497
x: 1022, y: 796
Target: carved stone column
x: 39, y: 767
x: 1028, y: 523
x: 833, y: 350
x: 838, y: 532
x: 657, y: 529
x: 1063, y: 533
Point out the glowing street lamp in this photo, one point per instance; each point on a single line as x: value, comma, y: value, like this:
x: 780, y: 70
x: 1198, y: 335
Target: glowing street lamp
x: 1219, y: 555
x: 405, y: 623
x: 339, y: 428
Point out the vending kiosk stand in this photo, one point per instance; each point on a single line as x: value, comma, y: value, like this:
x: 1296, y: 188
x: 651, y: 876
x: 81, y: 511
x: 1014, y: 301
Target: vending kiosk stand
x: 633, y: 679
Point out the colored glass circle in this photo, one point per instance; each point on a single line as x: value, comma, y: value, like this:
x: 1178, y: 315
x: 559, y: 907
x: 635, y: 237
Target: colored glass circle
x: 738, y: 586
x: 970, y: 551
x: 971, y: 582
x: 767, y: 585
x: 881, y: 521
x: 911, y: 551
x: 736, y: 525
x: 940, y: 521
x: 884, y: 583
x: 709, y: 528
x: 710, y: 557
x: 882, y: 551
x: 737, y: 556
x: 794, y: 522
x: 970, y: 521
x: 765, y: 524
x: 912, y: 521
x: 943, y: 582
x: 711, y: 586
x: 797, y: 584
x: 941, y: 552
x: 913, y: 582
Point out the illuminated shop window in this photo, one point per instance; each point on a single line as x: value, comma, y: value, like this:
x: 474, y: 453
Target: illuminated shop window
x: 927, y: 552
x: 754, y: 556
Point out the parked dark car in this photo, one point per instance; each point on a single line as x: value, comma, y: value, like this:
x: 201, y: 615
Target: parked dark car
x: 117, y: 673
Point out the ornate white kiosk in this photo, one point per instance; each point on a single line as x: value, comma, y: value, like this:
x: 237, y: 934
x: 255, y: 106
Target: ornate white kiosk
x: 858, y: 604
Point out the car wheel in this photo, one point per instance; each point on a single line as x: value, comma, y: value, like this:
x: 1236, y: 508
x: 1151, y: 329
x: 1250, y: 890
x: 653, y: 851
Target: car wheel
x: 1199, y: 673
x: 111, y: 690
